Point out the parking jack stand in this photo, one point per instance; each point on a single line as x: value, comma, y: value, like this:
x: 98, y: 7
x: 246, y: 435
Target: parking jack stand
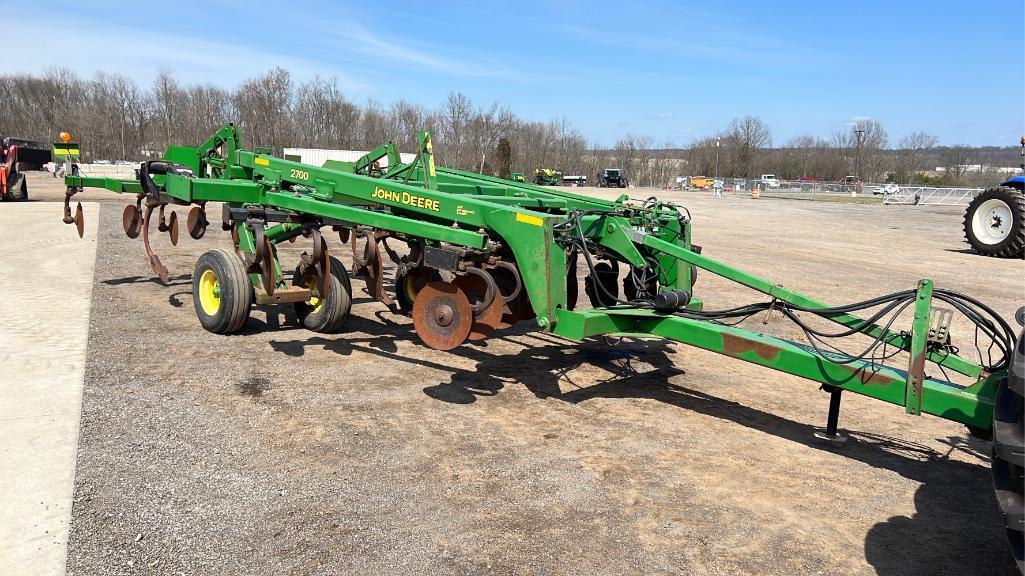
x: 830, y: 433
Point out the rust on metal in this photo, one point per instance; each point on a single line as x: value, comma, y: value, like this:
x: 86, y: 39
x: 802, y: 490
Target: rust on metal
x: 734, y: 345
x: 487, y: 319
x: 368, y: 263
x: 321, y: 262
x: 197, y: 222
x: 79, y: 220
x: 869, y: 377
x: 131, y: 221
x: 442, y: 315
x: 172, y: 228
x: 154, y: 260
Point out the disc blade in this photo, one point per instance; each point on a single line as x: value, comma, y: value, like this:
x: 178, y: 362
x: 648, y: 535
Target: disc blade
x: 442, y: 315
x: 488, y: 319
x: 131, y: 221
x: 79, y: 220
x: 196, y: 222
x: 172, y: 228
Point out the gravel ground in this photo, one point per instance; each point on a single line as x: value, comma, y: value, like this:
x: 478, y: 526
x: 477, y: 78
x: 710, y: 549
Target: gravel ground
x: 281, y: 451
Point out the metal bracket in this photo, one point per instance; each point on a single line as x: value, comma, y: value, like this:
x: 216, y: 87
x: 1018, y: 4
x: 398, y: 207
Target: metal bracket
x: 939, y: 325
x: 919, y: 340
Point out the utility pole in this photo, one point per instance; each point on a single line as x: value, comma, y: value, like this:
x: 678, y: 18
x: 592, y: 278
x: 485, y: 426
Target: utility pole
x: 716, y: 175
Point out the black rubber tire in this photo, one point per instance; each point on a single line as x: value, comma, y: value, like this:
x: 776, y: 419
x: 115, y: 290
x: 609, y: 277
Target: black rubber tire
x: 17, y: 187
x: 1008, y: 460
x: 1014, y: 245
x: 404, y: 301
x: 608, y: 276
x: 335, y: 310
x: 236, y: 292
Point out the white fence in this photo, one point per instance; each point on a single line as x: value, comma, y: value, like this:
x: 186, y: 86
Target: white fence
x: 919, y: 195
x: 890, y: 193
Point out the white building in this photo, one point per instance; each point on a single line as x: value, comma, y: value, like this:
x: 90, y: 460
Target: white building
x: 317, y: 156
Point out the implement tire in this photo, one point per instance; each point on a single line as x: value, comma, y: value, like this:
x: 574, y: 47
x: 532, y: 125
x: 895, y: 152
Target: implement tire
x: 221, y: 292
x: 994, y: 223
x: 1008, y: 461
x: 17, y: 187
x: 326, y: 315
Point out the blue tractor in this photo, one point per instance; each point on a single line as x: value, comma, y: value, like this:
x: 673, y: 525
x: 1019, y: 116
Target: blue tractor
x: 994, y: 223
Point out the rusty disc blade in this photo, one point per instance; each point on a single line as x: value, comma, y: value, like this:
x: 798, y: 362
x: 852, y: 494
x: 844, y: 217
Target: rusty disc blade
x: 267, y: 266
x: 172, y: 228
x: 196, y: 222
x: 131, y: 221
x: 323, y: 262
x: 506, y: 282
x: 359, y: 257
x: 442, y: 315
x: 488, y: 319
x: 79, y: 220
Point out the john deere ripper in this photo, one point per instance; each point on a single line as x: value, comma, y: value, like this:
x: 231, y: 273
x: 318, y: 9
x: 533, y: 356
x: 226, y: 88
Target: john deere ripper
x: 484, y: 253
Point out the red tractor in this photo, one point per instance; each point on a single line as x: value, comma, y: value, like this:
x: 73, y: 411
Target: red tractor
x: 17, y: 155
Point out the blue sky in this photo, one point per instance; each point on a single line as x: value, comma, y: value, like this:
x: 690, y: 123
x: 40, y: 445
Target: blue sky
x: 672, y: 71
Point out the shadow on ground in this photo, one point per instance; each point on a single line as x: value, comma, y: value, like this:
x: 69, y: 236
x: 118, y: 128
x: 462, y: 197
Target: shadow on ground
x: 956, y: 528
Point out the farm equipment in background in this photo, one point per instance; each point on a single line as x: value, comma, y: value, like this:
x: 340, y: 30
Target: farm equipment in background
x: 518, y: 177
x: 483, y: 254
x: 577, y: 180
x: 612, y: 178
x: 994, y: 223
x: 701, y: 182
x: 17, y: 156
x: 547, y: 176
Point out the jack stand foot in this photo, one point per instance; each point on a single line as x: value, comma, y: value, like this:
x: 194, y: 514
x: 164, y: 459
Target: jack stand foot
x: 835, y: 437
x: 830, y: 432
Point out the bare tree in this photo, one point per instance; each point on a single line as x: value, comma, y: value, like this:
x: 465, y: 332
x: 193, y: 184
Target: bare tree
x: 910, y: 153
x: 744, y: 138
x: 486, y: 127
x: 956, y: 160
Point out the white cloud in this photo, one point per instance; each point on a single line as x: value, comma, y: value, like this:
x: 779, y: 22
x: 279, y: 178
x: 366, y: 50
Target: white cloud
x: 364, y: 41
x: 93, y: 46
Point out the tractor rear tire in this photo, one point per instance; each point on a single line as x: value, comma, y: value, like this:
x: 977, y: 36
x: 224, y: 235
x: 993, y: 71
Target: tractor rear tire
x: 221, y: 292
x: 994, y: 223
x: 327, y: 316
x: 1008, y: 459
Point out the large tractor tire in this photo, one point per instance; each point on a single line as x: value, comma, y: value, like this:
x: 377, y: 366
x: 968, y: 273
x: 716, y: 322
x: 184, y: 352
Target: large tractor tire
x: 326, y: 315
x: 221, y: 292
x: 1008, y: 460
x: 994, y: 223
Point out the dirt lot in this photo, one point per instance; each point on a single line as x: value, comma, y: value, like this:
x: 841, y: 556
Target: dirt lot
x: 281, y: 451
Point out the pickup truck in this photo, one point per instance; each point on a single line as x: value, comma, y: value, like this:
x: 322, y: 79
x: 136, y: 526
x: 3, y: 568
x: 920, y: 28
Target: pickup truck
x: 769, y: 181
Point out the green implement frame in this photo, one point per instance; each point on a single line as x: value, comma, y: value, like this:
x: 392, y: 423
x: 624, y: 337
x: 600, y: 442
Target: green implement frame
x: 463, y: 224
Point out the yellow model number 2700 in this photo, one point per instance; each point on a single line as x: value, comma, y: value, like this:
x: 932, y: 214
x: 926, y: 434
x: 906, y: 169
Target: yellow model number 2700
x: 300, y: 174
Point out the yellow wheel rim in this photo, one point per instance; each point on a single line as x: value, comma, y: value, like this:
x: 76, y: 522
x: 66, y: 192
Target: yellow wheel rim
x: 410, y: 287
x: 209, y: 292
x: 315, y: 301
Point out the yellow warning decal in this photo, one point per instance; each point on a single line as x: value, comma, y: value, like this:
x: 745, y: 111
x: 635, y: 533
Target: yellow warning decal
x: 261, y: 161
x: 528, y: 219
x: 430, y: 158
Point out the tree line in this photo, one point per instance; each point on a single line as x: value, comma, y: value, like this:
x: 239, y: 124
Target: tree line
x: 112, y: 117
